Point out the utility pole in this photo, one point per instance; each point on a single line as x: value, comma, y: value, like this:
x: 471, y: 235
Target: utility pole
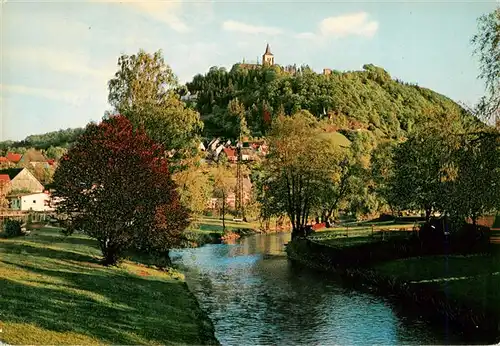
x: 239, y: 182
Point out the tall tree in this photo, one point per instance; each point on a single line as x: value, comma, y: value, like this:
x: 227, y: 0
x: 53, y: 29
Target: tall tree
x: 115, y: 186
x: 295, y: 169
x: 144, y: 91
x: 194, y: 186
x: 487, y: 48
x: 422, y: 166
x: 382, y: 170
x: 475, y: 189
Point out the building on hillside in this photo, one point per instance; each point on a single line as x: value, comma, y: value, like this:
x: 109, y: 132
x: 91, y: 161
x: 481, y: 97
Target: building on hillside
x: 230, y: 154
x: 30, y: 202
x: 14, y: 158
x: 218, y: 151
x: 268, y: 57
x: 247, y: 154
x: 213, y: 144
x: 214, y: 202
x: 268, y: 60
x: 21, y: 179
x: 35, y: 158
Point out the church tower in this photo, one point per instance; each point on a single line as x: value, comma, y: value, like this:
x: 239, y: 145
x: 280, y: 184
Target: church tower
x: 268, y: 57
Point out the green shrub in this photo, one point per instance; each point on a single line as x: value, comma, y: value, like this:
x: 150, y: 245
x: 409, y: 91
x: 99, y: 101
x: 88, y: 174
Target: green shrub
x: 12, y: 228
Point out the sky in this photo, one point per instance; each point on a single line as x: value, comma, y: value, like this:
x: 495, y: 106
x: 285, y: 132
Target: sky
x: 56, y: 57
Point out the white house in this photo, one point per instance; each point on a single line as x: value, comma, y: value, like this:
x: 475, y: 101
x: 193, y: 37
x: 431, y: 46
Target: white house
x: 31, y: 201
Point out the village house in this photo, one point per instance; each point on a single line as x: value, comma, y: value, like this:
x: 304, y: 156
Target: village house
x: 30, y: 201
x: 213, y: 203
x: 14, y: 158
x: 230, y: 154
x: 35, y: 158
x: 21, y: 179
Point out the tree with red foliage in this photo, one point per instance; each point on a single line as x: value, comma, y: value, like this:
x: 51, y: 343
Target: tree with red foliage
x: 115, y: 186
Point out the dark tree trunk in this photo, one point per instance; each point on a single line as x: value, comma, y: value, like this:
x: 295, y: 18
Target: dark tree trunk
x: 427, y: 214
x: 110, y: 253
x: 295, y: 233
x: 163, y: 259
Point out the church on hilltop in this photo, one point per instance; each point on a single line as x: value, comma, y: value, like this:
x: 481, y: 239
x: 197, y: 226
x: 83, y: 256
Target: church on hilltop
x: 268, y: 60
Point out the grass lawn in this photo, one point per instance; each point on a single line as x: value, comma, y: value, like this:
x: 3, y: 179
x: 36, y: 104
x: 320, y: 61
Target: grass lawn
x: 473, y: 279
x: 214, y: 224
x: 54, y: 291
x: 354, y: 236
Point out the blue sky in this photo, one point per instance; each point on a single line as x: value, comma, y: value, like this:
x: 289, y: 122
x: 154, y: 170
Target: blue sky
x: 58, y: 56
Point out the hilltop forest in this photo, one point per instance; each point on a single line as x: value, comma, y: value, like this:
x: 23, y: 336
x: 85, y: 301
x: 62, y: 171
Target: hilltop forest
x: 368, y: 105
x: 357, y: 100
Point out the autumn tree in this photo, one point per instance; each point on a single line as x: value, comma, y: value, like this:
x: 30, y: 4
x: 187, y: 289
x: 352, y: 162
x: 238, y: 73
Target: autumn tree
x: 4, y: 189
x: 194, y: 185
x: 115, y: 186
x: 42, y: 173
x: 55, y: 153
x: 144, y: 91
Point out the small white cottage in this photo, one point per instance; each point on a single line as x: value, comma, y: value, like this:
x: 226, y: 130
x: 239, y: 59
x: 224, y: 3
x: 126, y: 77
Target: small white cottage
x: 30, y: 201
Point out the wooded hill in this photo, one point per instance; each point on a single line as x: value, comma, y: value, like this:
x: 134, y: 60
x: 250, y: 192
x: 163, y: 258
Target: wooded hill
x: 350, y: 102
x: 368, y: 99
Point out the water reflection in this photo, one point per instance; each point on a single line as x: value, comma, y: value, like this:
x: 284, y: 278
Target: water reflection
x: 253, y: 298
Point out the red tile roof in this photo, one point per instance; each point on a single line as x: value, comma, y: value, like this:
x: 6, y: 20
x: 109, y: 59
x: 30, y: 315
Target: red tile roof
x: 50, y: 161
x: 230, y: 152
x: 3, y: 159
x: 4, y: 177
x: 14, y: 157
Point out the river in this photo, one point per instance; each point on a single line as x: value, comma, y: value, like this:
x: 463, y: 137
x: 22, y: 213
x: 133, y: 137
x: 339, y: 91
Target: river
x: 255, y: 296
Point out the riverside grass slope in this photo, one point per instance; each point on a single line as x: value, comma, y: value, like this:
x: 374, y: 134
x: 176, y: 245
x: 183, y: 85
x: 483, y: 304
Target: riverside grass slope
x: 54, y: 291
x: 472, y: 279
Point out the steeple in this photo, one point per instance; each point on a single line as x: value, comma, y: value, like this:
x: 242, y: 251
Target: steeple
x: 268, y: 50
x: 268, y: 58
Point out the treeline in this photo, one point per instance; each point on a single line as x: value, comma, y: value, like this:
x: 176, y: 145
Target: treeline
x: 61, y: 139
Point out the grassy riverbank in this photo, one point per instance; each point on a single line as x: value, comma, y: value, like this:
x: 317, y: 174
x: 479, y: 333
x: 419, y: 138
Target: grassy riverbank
x: 54, y: 291
x: 473, y: 280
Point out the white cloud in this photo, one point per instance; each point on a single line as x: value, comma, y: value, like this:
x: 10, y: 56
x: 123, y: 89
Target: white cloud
x: 356, y: 24
x: 231, y: 25
x: 306, y: 36
x: 57, y: 60
x: 70, y: 97
x: 166, y: 11
x: 163, y: 11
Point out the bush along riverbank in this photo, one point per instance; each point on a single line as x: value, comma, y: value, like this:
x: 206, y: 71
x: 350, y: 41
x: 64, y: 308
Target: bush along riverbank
x: 450, y: 293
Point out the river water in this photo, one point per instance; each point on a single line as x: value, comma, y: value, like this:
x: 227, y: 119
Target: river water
x: 255, y: 296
